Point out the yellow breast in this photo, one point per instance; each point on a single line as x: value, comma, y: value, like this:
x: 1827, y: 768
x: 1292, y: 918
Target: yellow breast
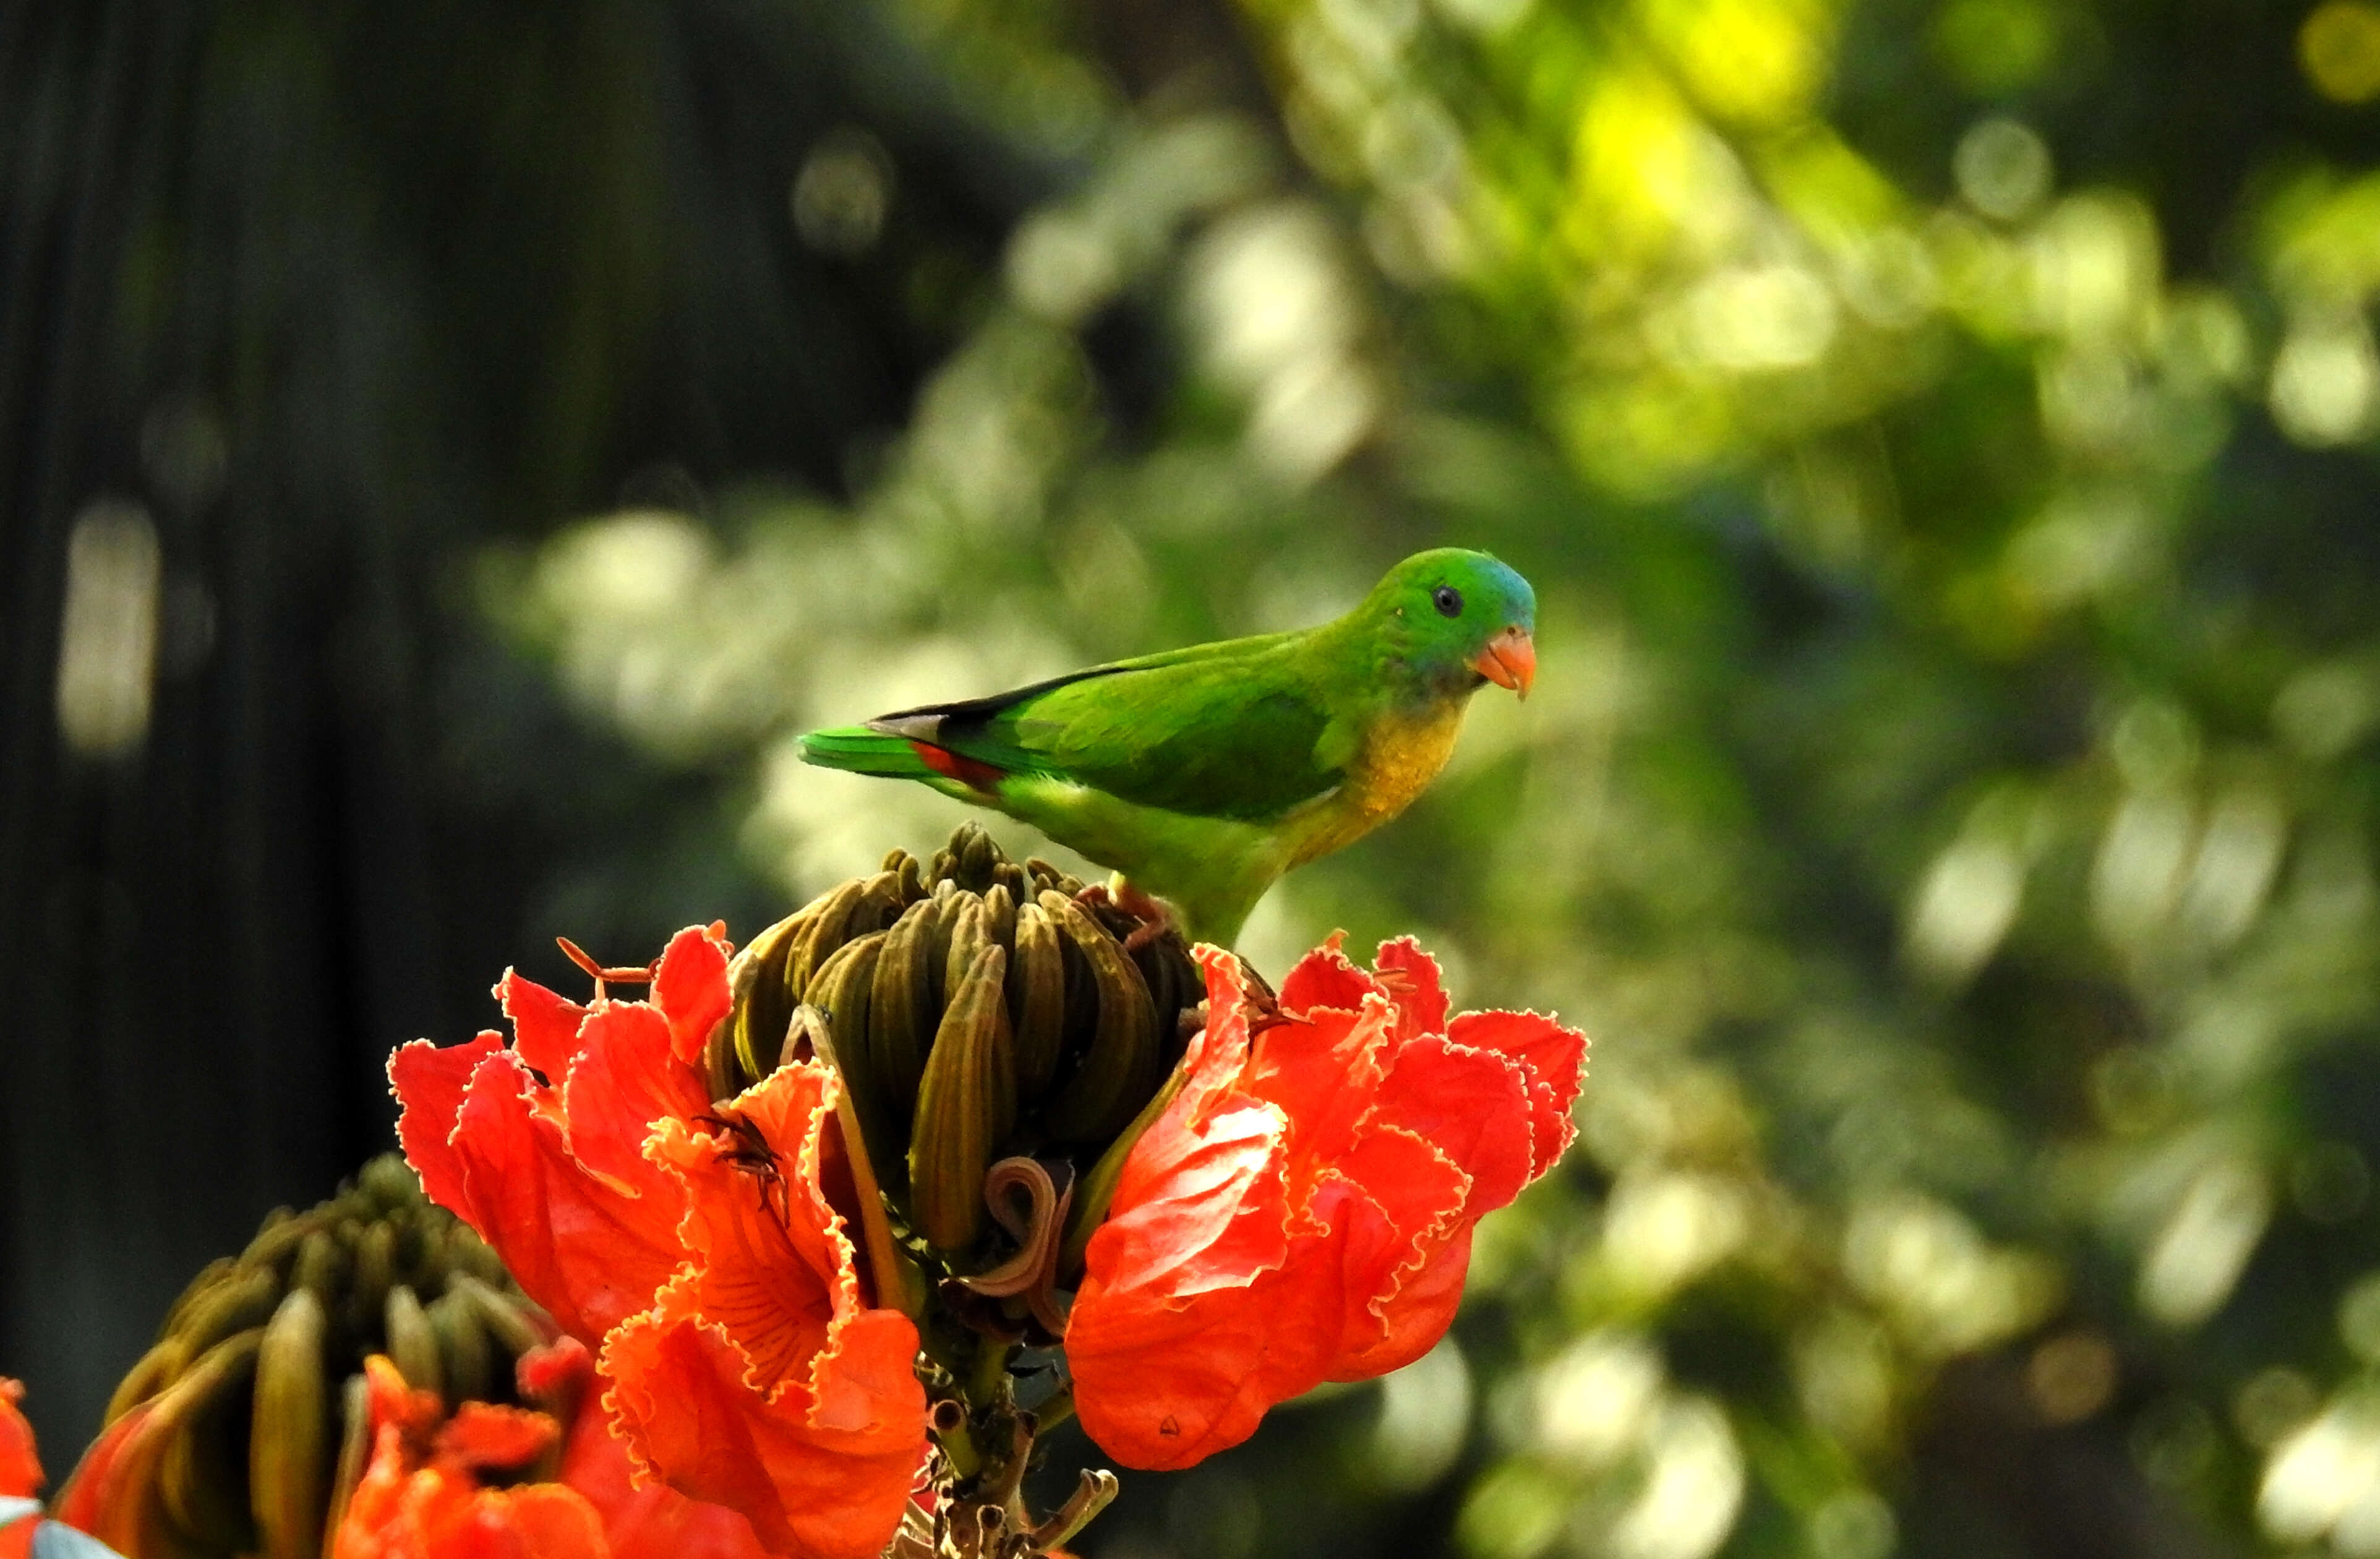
x: 1396, y: 763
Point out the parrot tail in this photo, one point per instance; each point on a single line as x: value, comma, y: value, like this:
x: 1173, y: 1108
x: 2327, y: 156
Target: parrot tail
x: 864, y: 751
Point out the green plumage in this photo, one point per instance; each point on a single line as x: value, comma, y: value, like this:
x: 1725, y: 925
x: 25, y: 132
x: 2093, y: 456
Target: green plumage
x: 1202, y: 774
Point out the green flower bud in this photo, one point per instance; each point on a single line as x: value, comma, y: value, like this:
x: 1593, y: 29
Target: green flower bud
x: 978, y: 1010
x: 257, y: 1373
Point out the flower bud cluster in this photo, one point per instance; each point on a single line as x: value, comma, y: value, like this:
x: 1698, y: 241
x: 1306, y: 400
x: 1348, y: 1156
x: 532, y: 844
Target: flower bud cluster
x: 243, y: 1429
x: 978, y: 1010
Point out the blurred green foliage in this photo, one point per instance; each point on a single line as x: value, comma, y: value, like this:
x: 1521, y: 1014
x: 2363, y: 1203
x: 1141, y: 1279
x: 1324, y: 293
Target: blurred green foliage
x: 1942, y: 438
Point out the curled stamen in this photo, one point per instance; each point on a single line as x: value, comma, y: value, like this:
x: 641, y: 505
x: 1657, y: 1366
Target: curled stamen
x: 1032, y: 1272
x: 601, y: 972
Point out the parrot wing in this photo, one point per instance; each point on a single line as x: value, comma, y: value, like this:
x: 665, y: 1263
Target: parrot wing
x: 1219, y: 731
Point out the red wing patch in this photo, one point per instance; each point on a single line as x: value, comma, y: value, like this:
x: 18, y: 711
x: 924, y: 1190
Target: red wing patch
x: 967, y: 771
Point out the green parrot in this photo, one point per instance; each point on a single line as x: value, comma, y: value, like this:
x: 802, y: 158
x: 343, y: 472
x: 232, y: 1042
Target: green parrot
x: 1202, y: 774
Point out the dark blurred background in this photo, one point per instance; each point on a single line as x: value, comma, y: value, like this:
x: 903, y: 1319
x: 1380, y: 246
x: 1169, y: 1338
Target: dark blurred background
x: 448, y: 450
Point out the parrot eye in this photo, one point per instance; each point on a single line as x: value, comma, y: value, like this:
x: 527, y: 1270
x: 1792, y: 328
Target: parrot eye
x: 1448, y: 600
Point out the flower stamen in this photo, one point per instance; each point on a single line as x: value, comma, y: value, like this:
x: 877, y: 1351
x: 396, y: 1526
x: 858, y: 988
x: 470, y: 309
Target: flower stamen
x: 1032, y: 1273
x: 601, y: 973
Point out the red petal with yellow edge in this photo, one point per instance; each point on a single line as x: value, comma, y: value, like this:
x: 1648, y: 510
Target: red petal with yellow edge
x: 1304, y: 1208
x: 1474, y: 1106
x: 760, y: 1380
x: 770, y: 1261
x: 653, y: 1522
x: 1203, y: 1200
x: 1328, y: 978
x: 1418, y: 1314
x: 691, y: 987
x: 429, y: 1083
x: 545, y: 1024
x: 1210, y: 1210
x: 625, y: 1078
x: 1322, y: 1075
x: 1556, y: 1058
x: 820, y: 1474
x: 590, y: 1251
x: 1413, y: 975
x: 20, y: 1466
x: 1417, y: 1193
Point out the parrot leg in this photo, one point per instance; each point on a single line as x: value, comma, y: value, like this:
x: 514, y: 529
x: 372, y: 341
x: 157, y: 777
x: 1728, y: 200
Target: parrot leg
x: 1261, y: 1005
x: 1156, y: 917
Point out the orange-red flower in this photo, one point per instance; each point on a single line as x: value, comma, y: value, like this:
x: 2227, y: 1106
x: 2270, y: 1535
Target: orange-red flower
x: 427, y: 1492
x: 21, y: 1468
x: 757, y: 1379
x: 1303, y: 1210
x: 697, y: 1250
x: 20, y: 1474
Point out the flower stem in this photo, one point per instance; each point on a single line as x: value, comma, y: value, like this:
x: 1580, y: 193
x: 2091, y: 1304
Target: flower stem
x: 1054, y: 1410
x: 991, y: 1380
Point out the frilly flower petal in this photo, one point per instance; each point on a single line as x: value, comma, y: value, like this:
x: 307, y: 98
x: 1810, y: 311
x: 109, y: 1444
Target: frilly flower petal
x: 691, y: 987
x: 822, y: 1471
x: 429, y: 1082
x: 760, y: 1380
x: 770, y: 1261
x: 653, y: 1522
x: 1328, y: 978
x: 1414, y: 1317
x: 1474, y: 1106
x: 545, y: 1024
x: 1414, y: 976
x: 625, y: 1077
x: 589, y: 1250
x: 1556, y: 1059
x: 1165, y: 1385
x: 1324, y: 1074
x: 1203, y: 1201
x: 1304, y: 1209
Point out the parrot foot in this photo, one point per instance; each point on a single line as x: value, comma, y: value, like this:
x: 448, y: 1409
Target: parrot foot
x: 1156, y: 918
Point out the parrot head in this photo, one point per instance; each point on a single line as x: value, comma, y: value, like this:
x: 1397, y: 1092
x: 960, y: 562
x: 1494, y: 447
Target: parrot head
x: 1458, y: 618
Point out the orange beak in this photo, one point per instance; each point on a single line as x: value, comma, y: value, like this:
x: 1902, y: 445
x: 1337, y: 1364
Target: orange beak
x: 1509, y: 661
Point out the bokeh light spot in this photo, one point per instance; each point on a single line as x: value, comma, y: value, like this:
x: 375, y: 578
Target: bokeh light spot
x: 1854, y: 1524
x: 2197, y: 1258
x: 2325, y: 381
x: 2003, y: 168
x: 2340, y: 48
x: 2070, y: 1376
x: 1991, y: 47
x: 842, y: 194
x: 107, y: 642
x: 2273, y: 1403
